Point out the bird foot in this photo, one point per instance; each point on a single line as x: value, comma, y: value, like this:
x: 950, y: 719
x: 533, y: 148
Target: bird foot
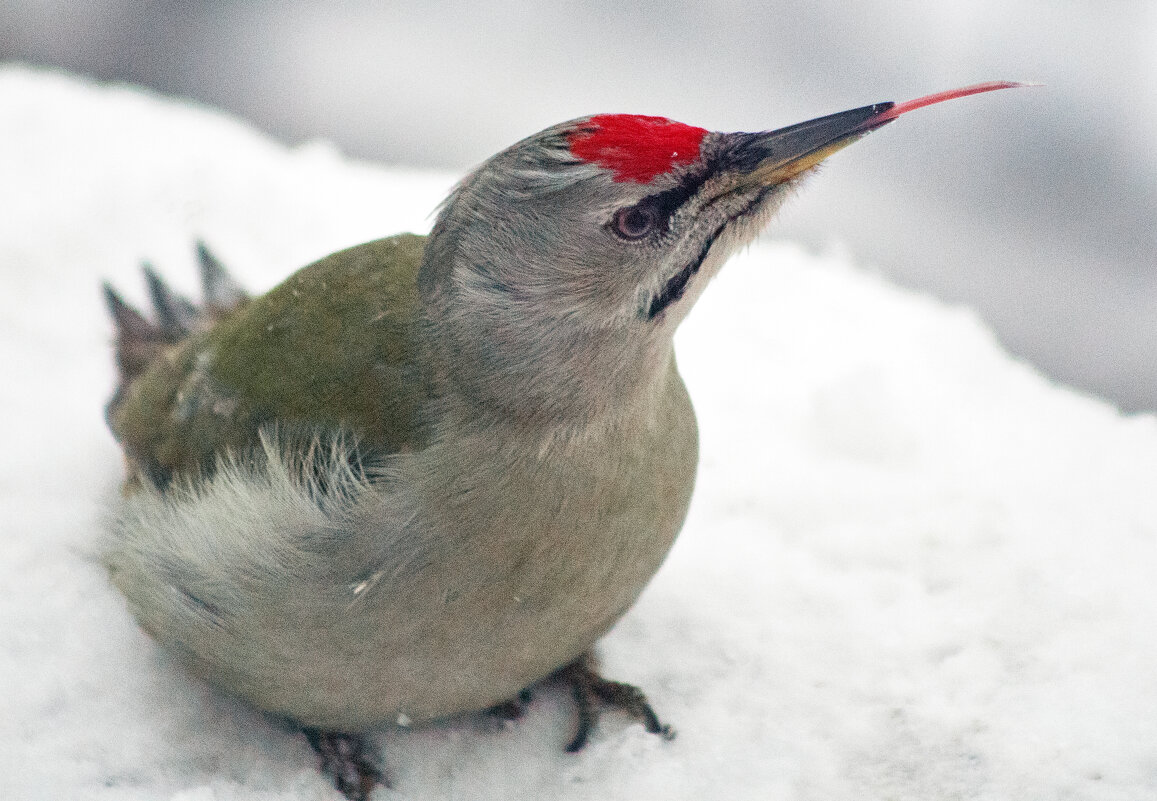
x: 589, y: 688
x: 512, y: 710
x: 347, y: 760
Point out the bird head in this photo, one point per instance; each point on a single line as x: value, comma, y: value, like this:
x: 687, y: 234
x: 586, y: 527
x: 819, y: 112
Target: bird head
x: 563, y: 264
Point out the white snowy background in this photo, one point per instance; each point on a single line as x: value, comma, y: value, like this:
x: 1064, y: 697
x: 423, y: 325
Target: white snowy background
x: 914, y: 569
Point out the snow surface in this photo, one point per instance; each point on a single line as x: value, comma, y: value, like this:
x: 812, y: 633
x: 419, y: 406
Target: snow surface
x: 913, y: 569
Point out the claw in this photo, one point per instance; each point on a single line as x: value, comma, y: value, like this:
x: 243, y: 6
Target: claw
x: 587, y: 686
x: 511, y: 710
x: 346, y: 759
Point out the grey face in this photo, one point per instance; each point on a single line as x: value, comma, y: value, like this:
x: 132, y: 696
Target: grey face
x: 570, y: 258
x: 557, y: 235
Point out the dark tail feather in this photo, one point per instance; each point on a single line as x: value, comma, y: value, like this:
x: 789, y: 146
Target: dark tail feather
x: 140, y: 341
x: 176, y: 314
x: 221, y: 292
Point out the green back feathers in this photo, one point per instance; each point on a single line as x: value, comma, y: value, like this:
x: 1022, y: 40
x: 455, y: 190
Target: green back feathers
x: 335, y: 347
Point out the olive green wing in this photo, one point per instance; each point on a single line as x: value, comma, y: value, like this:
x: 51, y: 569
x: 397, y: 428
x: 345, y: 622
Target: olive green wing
x: 335, y: 348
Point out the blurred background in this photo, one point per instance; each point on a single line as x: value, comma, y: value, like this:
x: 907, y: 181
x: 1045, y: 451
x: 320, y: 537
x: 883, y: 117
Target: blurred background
x: 1037, y: 207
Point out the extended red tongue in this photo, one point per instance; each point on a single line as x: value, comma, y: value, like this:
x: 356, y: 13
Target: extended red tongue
x: 939, y: 97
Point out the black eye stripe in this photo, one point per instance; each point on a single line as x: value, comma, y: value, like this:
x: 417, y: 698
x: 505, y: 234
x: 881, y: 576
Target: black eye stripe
x: 668, y: 201
x: 663, y: 205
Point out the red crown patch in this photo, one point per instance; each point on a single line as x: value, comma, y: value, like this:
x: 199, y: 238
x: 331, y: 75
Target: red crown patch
x: 634, y: 147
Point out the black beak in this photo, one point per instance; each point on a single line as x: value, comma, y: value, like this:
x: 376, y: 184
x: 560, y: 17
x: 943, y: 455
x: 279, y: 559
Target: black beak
x: 772, y: 157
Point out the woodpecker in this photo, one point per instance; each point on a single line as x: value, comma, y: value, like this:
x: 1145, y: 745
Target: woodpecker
x: 424, y: 474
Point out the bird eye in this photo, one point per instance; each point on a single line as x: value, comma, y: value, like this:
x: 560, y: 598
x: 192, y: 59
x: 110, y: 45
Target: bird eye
x: 635, y: 222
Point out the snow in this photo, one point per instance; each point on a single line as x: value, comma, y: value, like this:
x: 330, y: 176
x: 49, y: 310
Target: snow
x: 914, y: 569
